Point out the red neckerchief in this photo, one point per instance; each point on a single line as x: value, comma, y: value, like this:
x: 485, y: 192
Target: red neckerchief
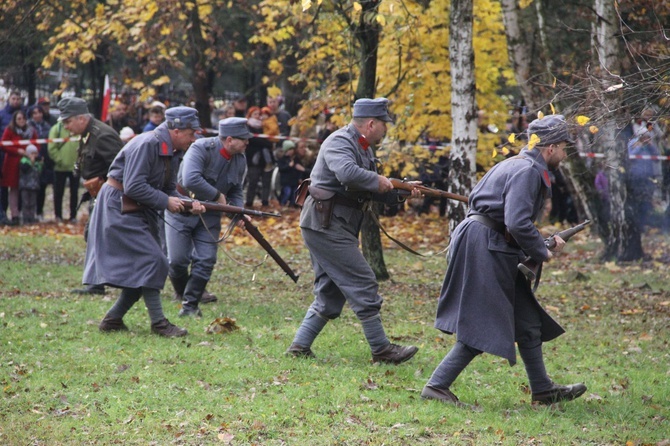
x: 224, y: 153
x: 363, y: 142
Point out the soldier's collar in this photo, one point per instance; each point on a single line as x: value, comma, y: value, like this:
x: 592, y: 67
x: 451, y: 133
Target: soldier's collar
x: 363, y: 141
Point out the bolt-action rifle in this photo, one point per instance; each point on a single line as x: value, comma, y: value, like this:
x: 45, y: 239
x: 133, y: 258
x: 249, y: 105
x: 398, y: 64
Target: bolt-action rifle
x: 425, y: 190
x: 532, y: 269
x: 129, y: 205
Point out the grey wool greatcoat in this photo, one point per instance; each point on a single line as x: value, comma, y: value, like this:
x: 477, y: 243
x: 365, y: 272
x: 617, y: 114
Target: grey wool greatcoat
x: 482, y: 282
x: 124, y: 250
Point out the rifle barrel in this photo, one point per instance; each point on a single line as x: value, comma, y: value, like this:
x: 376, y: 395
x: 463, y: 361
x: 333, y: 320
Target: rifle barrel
x: 427, y: 191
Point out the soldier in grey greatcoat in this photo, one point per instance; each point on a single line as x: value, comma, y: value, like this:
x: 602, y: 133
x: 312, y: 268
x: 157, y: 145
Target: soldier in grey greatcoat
x: 485, y: 300
x: 343, y: 180
x: 124, y: 249
x: 212, y: 170
x: 98, y: 146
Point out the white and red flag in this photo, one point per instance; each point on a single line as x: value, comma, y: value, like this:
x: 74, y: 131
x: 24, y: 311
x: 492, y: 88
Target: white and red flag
x: 106, y: 99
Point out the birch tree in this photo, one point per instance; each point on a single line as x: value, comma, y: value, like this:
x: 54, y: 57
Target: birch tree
x: 463, y: 106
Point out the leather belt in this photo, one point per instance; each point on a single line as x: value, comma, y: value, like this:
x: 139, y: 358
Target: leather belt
x: 349, y: 202
x: 115, y: 183
x: 497, y: 226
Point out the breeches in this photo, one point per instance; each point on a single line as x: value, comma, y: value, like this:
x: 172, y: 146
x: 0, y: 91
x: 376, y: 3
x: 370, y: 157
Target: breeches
x: 192, y: 244
x: 341, y: 274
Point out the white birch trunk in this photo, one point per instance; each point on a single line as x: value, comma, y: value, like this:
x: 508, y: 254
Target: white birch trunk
x: 624, y: 240
x: 463, y: 107
x: 519, y: 52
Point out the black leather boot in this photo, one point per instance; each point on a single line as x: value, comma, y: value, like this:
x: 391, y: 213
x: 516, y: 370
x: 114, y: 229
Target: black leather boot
x: 192, y: 295
x: 179, y: 285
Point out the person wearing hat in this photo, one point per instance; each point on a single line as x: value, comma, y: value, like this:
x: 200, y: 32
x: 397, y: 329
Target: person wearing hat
x: 45, y: 103
x: 291, y: 170
x: 344, y: 179
x: 30, y: 169
x: 485, y: 300
x: 213, y: 170
x: 98, y: 145
x: 124, y: 249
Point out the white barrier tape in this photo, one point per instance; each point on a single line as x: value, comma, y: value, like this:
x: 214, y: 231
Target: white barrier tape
x: 632, y: 157
x: 25, y: 142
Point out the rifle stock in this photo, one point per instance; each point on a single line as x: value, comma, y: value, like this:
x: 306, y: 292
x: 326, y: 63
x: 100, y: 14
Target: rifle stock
x: 532, y: 269
x: 256, y: 234
x: 427, y: 191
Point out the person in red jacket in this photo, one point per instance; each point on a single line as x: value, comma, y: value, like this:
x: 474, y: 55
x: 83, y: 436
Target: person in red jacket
x: 18, y: 129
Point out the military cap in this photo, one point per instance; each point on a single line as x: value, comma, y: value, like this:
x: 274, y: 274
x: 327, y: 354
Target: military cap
x: 69, y: 107
x: 182, y: 118
x: 372, y: 108
x: 551, y: 129
x: 235, y: 128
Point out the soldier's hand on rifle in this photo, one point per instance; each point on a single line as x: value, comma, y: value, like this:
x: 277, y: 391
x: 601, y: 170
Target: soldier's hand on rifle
x: 240, y: 221
x: 385, y: 184
x: 197, y: 208
x: 560, y: 243
x: 415, y: 193
x: 222, y: 199
x: 175, y: 205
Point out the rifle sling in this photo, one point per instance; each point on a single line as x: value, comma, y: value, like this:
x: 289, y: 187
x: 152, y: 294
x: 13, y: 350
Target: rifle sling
x: 396, y: 241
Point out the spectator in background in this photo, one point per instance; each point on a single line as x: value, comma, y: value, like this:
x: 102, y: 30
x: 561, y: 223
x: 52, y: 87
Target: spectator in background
x: 14, y: 104
x: 156, y: 117
x: 435, y: 175
x: 228, y: 112
x: 328, y: 128
x: 283, y: 117
x: 42, y: 127
x: 30, y: 169
x: 46, y: 107
x: 240, y: 105
x: 643, y: 176
x: 17, y: 129
x: 270, y: 124
x: 291, y: 172
x: 64, y: 155
x: 118, y: 116
x: 259, y: 160
x: 126, y: 134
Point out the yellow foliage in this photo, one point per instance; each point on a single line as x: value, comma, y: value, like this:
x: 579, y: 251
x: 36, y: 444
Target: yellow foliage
x: 582, y: 120
x: 238, y: 56
x: 533, y: 141
x: 161, y: 81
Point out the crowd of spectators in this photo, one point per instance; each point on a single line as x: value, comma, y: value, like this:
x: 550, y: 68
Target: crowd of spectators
x: 282, y: 151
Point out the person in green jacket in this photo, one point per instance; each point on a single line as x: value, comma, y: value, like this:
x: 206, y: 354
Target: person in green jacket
x: 64, y: 155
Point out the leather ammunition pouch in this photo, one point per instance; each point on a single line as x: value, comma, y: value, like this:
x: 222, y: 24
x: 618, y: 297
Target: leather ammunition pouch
x: 93, y: 185
x: 324, y: 201
x: 302, y: 192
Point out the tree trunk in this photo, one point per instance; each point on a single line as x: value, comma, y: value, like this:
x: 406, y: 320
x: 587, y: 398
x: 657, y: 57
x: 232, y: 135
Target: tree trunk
x: 625, y: 241
x: 462, y: 157
x: 519, y: 52
x: 367, y: 33
x: 200, y: 79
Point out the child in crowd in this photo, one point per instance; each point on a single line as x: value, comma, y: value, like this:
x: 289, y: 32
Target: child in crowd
x: 270, y: 123
x: 30, y: 168
x: 291, y: 172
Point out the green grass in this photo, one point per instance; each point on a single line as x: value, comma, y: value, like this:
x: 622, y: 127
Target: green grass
x: 63, y: 382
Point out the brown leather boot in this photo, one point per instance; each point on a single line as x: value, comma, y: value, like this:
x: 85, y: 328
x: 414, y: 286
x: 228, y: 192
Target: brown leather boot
x: 167, y: 329
x: 395, y: 354
x: 109, y: 324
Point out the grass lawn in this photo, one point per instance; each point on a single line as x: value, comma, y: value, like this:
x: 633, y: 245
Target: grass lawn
x: 65, y: 383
